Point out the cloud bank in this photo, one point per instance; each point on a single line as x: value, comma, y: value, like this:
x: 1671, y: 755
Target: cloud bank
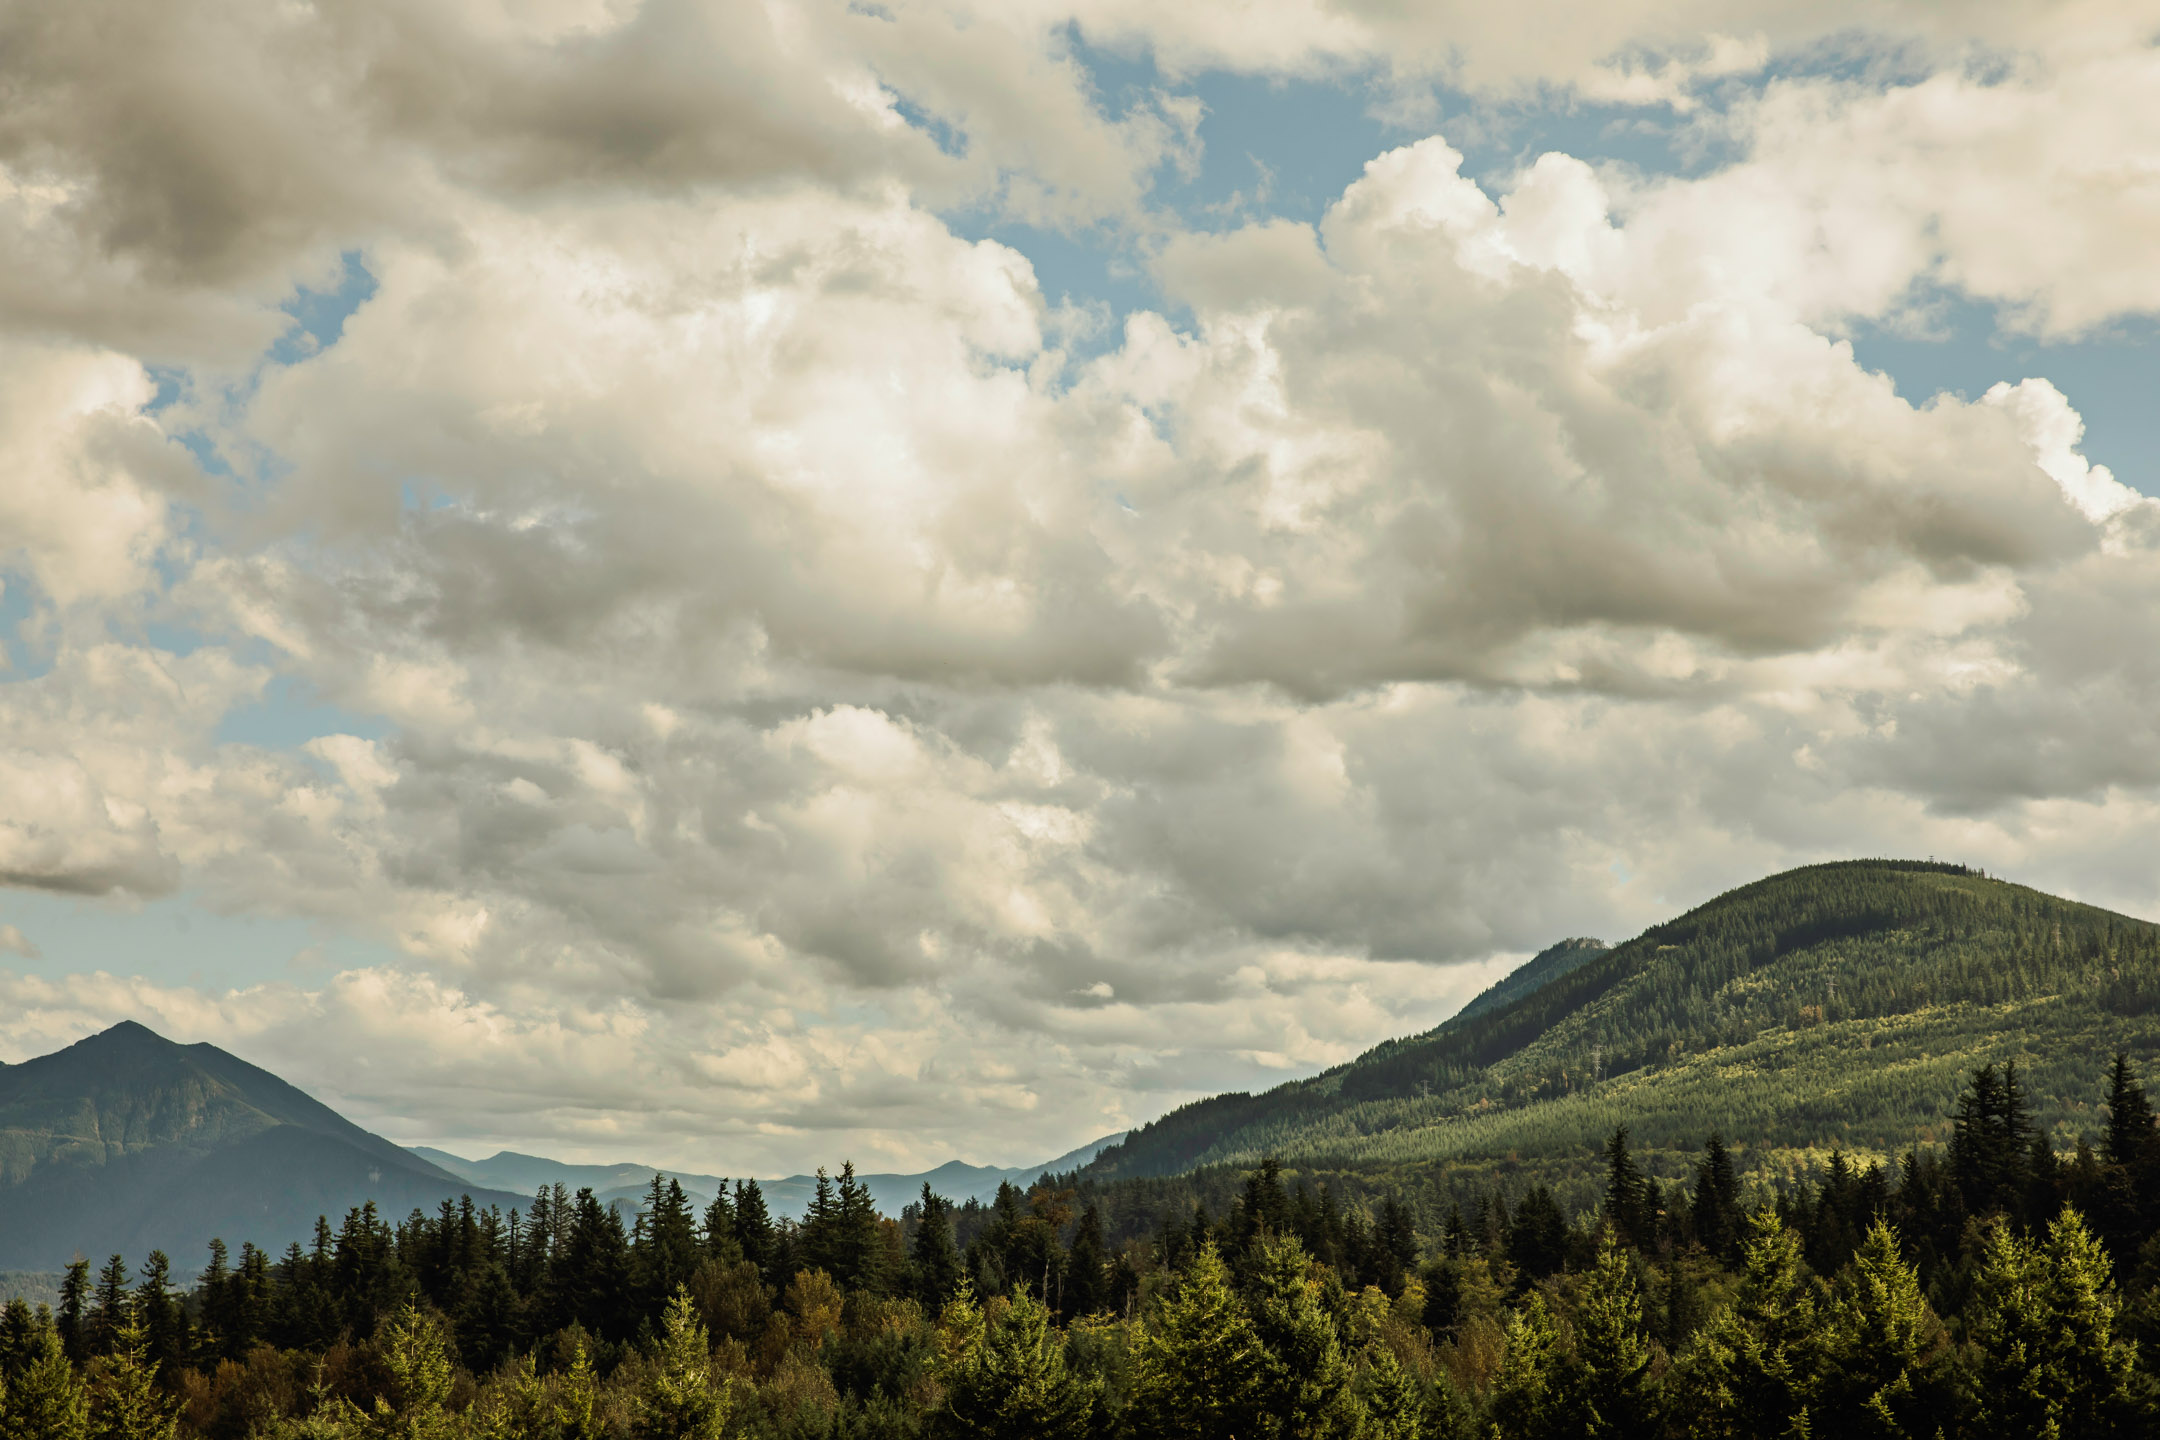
x: 825, y: 698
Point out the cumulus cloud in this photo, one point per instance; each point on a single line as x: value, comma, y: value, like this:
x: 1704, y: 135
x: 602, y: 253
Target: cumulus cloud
x: 816, y: 705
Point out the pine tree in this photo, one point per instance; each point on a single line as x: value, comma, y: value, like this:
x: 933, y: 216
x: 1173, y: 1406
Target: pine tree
x: 719, y: 1235
x: 74, y: 1319
x: 158, y: 1310
x: 682, y: 1399
x: 45, y: 1401
x: 1006, y: 1377
x: 1717, y: 1199
x: 1630, y: 1196
x: 1538, y: 1237
x: 2043, y: 1318
x: 112, y: 1305
x: 418, y: 1362
x: 1087, y: 1268
x: 937, y: 1259
x: 1751, y: 1371
x: 125, y: 1403
x: 1305, y: 1382
x: 666, y: 1251
x: 1882, y: 1339
x: 1393, y: 1408
x: 1526, y: 1401
x: 754, y: 1230
x: 1607, y: 1391
x: 576, y: 1408
x: 1197, y: 1362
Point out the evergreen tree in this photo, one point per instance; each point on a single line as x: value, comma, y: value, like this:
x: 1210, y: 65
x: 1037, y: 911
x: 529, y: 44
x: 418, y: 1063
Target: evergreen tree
x: 1305, y: 1379
x: 125, y: 1403
x: 936, y: 1258
x: 74, y: 1319
x: 1991, y: 1148
x: 682, y: 1399
x: 1393, y: 1408
x: 665, y: 1252
x: 1087, y: 1289
x: 1881, y: 1341
x: 158, y: 1310
x: 418, y: 1362
x: 754, y: 1230
x: 720, y: 1241
x: 112, y: 1305
x: 1538, y: 1238
x: 1630, y: 1196
x: 1197, y: 1363
x: 1717, y: 1199
x: 1607, y: 1392
x: 2043, y: 1318
x: 1006, y: 1376
x: 1526, y: 1398
x: 576, y: 1408
x: 1751, y: 1371
x: 45, y: 1401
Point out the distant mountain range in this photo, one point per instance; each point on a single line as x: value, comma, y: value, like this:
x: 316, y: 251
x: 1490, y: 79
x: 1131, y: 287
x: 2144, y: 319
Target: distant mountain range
x: 127, y: 1142
x: 1838, y: 1005
x: 627, y: 1184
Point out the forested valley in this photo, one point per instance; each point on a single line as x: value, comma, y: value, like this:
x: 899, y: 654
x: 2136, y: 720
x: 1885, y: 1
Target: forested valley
x: 1991, y: 1286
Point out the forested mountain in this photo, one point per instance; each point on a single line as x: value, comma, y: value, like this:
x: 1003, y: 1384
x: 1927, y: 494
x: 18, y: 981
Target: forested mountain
x: 1539, y: 970
x: 1830, y: 1006
x: 127, y: 1141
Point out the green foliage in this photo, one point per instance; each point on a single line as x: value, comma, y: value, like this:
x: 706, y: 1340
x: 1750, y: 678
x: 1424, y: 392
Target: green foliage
x: 1880, y: 1377
x: 1527, y: 1403
x: 1751, y: 1372
x: 124, y: 1402
x: 1006, y: 1376
x: 1305, y: 1379
x: 45, y: 1400
x: 418, y: 1364
x: 1607, y: 1393
x: 2043, y: 1320
x: 1199, y: 1365
x: 683, y: 1399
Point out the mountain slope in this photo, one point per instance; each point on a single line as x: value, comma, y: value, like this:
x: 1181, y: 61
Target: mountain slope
x: 1540, y: 970
x: 1836, y: 1005
x: 128, y: 1142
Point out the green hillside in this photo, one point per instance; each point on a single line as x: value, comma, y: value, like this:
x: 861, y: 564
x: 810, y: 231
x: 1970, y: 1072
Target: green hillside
x: 1833, y: 1006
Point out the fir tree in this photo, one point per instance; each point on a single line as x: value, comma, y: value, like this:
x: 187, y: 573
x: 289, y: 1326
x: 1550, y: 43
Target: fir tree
x: 74, y: 1319
x: 1630, y: 1196
x: 1882, y: 1338
x: 1751, y: 1371
x: 125, y: 1403
x: 112, y: 1305
x: 418, y: 1362
x: 1006, y: 1377
x: 2043, y: 1318
x: 1305, y: 1381
x: 45, y: 1401
x: 682, y: 1399
x: 1197, y: 1363
x: 1607, y: 1392
x: 1717, y: 1199
x: 754, y: 1230
x: 1526, y: 1400
x: 937, y: 1259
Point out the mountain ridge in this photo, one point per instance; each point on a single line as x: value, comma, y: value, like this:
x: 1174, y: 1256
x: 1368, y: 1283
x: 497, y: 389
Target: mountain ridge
x: 127, y: 1141
x: 1824, y: 1006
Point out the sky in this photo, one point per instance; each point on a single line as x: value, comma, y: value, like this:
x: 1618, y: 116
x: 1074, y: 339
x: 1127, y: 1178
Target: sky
x: 739, y: 585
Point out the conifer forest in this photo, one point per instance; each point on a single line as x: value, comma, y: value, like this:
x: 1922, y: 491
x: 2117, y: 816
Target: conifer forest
x: 1992, y: 1286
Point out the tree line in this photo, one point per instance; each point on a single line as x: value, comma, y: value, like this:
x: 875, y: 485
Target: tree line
x: 1989, y: 1286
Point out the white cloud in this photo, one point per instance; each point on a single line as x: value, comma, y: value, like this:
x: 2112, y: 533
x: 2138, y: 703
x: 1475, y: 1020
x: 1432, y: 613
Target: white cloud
x: 824, y: 713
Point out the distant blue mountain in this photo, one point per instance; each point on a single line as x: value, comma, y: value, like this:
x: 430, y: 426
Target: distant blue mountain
x: 626, y: 1184
x: 127, y: 1142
